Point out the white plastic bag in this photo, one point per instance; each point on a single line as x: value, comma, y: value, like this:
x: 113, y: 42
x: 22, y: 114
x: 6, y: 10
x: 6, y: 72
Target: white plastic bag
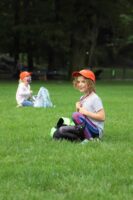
x: 43, y: 99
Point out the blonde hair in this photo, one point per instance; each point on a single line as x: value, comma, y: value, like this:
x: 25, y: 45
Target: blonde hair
x: 90, y: 83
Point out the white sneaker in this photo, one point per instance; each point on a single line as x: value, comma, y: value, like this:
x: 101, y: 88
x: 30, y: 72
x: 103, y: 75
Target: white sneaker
x: 85, y: 141
x: 19, y: 105
x: 97, y: 139
x: 52, y: 131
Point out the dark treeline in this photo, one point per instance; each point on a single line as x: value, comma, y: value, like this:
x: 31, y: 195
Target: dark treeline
x: 67, y: 34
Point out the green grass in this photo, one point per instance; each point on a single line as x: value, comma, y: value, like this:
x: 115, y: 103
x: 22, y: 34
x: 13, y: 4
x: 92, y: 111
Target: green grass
x: 35, y: 167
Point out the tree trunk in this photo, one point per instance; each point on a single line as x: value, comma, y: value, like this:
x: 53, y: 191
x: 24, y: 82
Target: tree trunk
x: 29, y: 55
x: 16, y: 35
x: 93, y: 43
x: 77, y: 56
x: 28, y: 47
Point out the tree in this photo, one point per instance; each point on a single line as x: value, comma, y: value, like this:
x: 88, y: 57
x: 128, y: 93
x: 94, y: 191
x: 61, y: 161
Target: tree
x: 70, y: 33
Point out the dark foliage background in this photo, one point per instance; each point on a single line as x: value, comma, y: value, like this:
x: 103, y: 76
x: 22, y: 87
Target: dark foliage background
x: 69, y: 34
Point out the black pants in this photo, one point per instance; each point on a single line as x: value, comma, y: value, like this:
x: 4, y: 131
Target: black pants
x: 72, y: 133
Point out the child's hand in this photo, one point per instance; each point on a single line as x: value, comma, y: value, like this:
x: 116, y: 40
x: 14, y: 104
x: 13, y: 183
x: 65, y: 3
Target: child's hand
x: 78, y: 105
x: 83, y: 111
x: 31, y: 92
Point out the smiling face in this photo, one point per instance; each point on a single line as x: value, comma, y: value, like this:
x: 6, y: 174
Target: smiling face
x: 27, y: 79
x: 82, y: 84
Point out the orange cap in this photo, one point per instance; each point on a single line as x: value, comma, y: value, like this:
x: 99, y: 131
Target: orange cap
x: 24, y: 74
x: 86, y: 73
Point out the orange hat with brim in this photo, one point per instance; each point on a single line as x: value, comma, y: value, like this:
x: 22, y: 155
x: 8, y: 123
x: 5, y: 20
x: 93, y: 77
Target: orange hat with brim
x: 24, y: 74
x: 86, y: 73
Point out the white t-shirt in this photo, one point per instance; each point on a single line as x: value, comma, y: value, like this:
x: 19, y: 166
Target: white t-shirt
x: 23, y: 93
x: 93, y: 104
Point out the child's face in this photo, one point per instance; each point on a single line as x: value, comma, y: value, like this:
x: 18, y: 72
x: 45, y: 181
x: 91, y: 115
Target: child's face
x: 27, y: 79
x: 82, y: 84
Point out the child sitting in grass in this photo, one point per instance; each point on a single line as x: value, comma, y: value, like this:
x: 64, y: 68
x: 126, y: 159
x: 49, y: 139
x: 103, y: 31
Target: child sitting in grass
x: 89, y: 116
x: 89, y: 109
x: 24, y: 93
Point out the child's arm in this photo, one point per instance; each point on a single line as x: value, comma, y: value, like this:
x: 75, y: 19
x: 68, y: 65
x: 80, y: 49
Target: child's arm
x: 99, y: 116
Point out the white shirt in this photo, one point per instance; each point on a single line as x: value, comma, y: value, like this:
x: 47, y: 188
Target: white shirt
x: 93, y: 104
x: 23, y: 92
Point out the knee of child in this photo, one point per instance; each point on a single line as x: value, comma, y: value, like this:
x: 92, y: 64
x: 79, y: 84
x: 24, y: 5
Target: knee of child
x: 76, y: 116
x: 61, y: 129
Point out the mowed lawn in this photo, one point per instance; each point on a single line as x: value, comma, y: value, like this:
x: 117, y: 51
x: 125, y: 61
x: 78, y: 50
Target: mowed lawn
x: 35, y: 167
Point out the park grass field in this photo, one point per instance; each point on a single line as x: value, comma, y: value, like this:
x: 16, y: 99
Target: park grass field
x: 35, y: 167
